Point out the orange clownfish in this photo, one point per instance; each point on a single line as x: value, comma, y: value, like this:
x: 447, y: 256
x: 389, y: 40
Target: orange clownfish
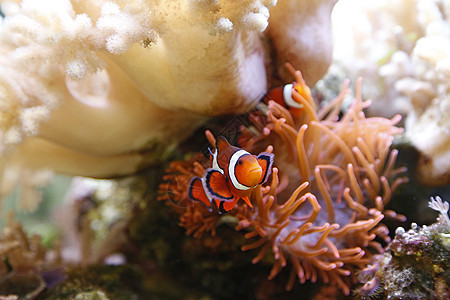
x: 233, y: 174
x: 283, y: 96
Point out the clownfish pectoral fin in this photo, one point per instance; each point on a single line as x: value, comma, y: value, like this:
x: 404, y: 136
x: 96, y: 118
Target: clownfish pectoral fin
x: 222, y: 143
x: 247, y: 201
x: 265, y: 160
x: 216, y: 186
x: 197, y: 193
x: 223, y: 206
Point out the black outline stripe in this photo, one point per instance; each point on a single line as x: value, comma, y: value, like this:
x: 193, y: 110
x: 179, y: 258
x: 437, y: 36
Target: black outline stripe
x: 221, y: 209
x: 190, y: 188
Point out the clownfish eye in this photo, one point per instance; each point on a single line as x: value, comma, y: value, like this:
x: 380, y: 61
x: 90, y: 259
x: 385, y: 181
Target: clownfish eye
x: 239, y: 162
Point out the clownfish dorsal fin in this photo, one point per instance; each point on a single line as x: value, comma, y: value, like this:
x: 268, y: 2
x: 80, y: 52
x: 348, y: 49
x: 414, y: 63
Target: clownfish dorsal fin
x: 222, y: 143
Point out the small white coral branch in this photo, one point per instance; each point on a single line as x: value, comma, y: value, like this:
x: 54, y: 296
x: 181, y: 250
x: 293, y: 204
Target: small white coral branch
x: 122, y: 28
x: 249, y: 15
x: 51, y: 33
x: 442, y: 207
x: 62, y: 84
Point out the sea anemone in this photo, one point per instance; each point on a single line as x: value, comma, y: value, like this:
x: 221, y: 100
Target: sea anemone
x: 195, y: 217
x: 322, y: 208
x: 322, y: 211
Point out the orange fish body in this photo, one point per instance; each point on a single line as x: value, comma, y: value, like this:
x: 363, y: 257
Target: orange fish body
x: 234, y: 173
x: 283, y: 96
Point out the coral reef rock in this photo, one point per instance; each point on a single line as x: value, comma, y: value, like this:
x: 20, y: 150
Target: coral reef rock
x: 416, y: 263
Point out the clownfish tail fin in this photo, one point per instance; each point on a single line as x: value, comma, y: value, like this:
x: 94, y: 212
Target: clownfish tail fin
x: 223, y: 206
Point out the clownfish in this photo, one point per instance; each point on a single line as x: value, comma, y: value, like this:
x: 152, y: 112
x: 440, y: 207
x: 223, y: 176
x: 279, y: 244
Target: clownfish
x: 233, y: 174
x: 283, y: 96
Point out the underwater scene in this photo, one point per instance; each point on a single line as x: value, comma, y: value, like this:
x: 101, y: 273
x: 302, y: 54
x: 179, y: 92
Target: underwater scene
x: 224, y: 149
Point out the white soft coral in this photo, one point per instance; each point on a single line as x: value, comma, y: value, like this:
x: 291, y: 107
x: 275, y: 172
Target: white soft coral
x: 403, y: 48
x: 103, y: 88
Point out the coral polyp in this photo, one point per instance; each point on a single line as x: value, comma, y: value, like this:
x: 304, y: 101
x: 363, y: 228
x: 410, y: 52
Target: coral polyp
x: 321, y: 210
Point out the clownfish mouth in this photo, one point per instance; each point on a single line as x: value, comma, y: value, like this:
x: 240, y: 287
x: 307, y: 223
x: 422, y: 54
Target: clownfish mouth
x: 257, y: 169
x: 252, y: 176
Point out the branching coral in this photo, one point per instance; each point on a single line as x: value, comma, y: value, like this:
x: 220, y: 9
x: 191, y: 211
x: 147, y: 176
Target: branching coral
x: 27, y: 267
x: 442, y: 207
x: 28, y: 180
x: 322, y: 209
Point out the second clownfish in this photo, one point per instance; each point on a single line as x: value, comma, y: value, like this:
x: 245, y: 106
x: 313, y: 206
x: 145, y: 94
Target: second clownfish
x: 233, y: 174
x: 283, y: 96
